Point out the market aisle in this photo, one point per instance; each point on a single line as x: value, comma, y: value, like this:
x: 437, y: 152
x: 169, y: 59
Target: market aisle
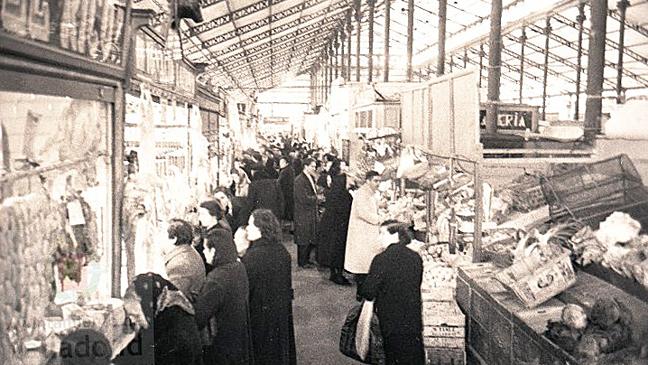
x: 320, y: 308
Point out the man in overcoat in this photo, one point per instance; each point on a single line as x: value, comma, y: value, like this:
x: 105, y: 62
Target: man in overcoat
x: 305, y: 213
x: 287, y: 185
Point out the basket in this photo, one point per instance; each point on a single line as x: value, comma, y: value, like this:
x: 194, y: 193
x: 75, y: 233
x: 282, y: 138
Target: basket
x: 526, y: 196
x: 591, y: 192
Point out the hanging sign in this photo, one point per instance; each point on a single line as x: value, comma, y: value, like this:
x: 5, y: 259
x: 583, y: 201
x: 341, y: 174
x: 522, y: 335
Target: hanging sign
x: 513, y: 117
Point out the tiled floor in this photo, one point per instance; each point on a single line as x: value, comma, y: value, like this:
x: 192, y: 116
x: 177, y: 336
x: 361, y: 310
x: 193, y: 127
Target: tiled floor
x: 320, y: 308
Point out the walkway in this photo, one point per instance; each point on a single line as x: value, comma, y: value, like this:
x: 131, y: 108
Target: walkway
x: 320, y: 308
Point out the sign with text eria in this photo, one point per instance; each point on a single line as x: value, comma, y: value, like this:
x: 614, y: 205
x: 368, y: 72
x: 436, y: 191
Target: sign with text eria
x: 513, y: 117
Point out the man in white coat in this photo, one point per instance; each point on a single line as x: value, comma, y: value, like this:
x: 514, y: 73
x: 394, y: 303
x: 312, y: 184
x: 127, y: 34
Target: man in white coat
x: 364, y: 223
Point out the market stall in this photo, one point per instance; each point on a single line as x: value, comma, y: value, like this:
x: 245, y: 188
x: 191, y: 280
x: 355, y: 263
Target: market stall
x: 572, y: 236
x: 62, y: 103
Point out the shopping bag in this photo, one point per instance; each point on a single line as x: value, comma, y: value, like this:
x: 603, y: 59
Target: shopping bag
x: 363, y: 328
x: 376, y: 353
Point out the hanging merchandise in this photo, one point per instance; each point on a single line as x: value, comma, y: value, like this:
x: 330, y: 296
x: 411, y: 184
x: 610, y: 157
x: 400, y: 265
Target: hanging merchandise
x: 147, y: 149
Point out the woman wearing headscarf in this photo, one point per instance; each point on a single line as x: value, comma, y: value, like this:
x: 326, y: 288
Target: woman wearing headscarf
x: 394, y: 283
x: 164, y: 320
x: 334, y: 225
x: 270, y: 280
x: 222, y: 305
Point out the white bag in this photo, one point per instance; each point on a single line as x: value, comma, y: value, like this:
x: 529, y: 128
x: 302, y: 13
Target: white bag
x: 363, y: 329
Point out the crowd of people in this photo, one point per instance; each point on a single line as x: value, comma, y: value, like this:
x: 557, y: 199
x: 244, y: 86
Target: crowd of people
x: 227, y: 294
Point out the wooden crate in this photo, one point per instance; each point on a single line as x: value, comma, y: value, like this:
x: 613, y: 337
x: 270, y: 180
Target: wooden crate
x: 444, y: 356
x: 445, y: 342
x: 437, y: 294
x: 440, y: 306
x: 450, y: 316
x: 444, y: 331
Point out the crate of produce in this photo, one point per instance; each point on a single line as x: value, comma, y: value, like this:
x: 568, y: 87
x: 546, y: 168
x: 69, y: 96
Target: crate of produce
x: 444, y: 331
x: 591, y: 192
x: 524, y: 193
x: 445, y: 356
x: 445, y: 342
x: 429, y: 294
x: 541, y: 283
x: 450, y: 316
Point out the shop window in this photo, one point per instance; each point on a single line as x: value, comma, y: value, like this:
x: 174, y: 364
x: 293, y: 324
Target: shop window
x: 55, y: 204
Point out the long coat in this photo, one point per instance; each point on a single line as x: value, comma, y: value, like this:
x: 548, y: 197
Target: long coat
x: 271, y: 319
x: 223, y: 308
x: 265, y: 194
x: 305, y: 211
x: 394, y: 282
x: 185, y: 269
x: 287, y: 186
x: 334, y: 224
x: 362, y: 238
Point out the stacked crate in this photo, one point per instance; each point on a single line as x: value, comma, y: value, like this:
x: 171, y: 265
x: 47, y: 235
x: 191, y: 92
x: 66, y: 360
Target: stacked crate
x: 443, y: 322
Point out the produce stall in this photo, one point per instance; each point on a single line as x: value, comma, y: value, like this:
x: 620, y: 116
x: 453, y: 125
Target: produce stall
x: 569, y: 238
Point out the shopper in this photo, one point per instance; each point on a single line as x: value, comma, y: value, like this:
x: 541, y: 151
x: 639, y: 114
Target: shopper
x: 333, y: 227
x: 394, y: 283
x: 235, y: 209
x: 184, y: 266
x: 305, y: 214
x: 270, y: 280
x: 214, y: 229
x: 362, y: 238
x: 165, y: 322
x: 222, y: 305
x: 265, y: 193
x: 287, y: 186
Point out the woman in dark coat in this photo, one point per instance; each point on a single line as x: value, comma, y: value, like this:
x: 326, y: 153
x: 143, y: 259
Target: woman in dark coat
x: 265, y: 193
x: 168, y: 334
x: 334, y: 226
x: 222, y: 305
x: 394, y: 283
x: 270, y: 280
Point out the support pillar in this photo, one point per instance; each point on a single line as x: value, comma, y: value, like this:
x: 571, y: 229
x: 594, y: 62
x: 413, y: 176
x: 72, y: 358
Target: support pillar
x: 349, y: 29
x: 494, y: 66
x: 595, y: 68
x: 334, y: 65
x: 330, y: 70
x: 358, y: 16
x: 523, y: 40
x: 443, y: 10
x: 481, y: 63
x: 343, y: 54
x: 545, y: 74
x: 372, y: 8
x: 410, y: 37
x: 579, y: 62
x: 386, y: 40
x: 622, y: 5
x: 465, y: 58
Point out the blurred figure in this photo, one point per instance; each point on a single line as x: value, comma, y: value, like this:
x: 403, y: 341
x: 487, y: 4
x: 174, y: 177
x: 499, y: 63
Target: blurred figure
x: 270, y: 281
x: 334, y: 226
x: 287, y: 186
x: 165, y: 322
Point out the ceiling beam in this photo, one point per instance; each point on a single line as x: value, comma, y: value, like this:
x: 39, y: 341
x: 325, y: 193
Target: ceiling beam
x: 289, y: 37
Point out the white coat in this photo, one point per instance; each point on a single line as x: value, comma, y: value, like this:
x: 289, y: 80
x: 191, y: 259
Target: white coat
x: 362, y: 238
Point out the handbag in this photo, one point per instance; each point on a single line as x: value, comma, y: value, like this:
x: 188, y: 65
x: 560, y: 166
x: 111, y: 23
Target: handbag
x: 360, y: 337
